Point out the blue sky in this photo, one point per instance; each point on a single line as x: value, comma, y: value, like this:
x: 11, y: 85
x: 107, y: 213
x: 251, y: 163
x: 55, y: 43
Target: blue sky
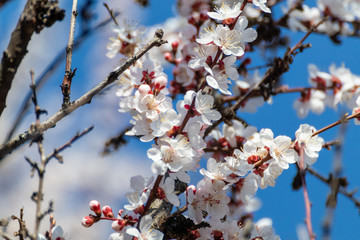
x: 280, y: 203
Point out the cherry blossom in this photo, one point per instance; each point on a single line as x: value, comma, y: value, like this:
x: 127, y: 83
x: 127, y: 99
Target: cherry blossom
x: 168, y: 188
x: 171, y: 154
x: 146, y: 232
x: 203, y: 105
x: 226, y: 13
x: 310, y: 144
x: 311, y: 100
x: 261, y: 5
x: 280, y: 148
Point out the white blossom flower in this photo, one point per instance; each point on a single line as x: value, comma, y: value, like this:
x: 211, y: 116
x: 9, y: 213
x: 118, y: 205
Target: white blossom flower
x: 279, y: 148
x: 170, y: 154
x: 168, y: 187
x: 312, y: 100
x: 196, y: 135
x: 146, y: 232
x: 141, y: 128
x: 164, y: 122
x: 201, y: 55
x: 203, y: 105
x: 261, y: 5
x: 237, y: 165
x: 263, y: 230
x: 183, y: 74
x: 310, y: 144
x: 210, y: 196
x: 151, y: 105
x: 146, y: 72
x: 225, y: 12
x: 219, y: 80
x: 217, y: 171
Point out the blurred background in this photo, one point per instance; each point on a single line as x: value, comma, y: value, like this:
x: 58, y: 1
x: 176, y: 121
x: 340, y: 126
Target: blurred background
x: 86, y: 174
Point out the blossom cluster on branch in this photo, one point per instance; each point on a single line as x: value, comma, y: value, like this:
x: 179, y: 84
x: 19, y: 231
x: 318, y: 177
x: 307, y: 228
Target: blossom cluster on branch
x: 206, y: 48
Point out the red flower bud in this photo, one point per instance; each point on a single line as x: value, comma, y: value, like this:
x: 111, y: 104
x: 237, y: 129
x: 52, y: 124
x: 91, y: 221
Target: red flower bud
x: 107, y: 211
x: 95, y: 207
x: 87, y: 221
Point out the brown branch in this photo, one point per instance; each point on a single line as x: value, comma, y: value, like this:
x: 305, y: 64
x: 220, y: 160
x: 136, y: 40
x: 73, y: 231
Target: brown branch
x: 335, y: 183
x: 69, y: 74
x: 3, y: 2
x: 342, y: 190
x: 111, y: 13
x: 114, y: 143
x: 306, y: 196
x: 67, y: 145
x: 23, y: 232
x: 344, y: 119
x: 30, y: 134
x: 41, y: 80
x: 35, y: 16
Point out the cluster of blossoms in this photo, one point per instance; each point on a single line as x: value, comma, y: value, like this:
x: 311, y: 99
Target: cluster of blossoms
x: 340, y: 14
x: 240, y: 158
x: 339, y: 86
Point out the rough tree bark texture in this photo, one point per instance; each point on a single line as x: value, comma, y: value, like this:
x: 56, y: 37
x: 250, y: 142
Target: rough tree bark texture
x: 36, y: 15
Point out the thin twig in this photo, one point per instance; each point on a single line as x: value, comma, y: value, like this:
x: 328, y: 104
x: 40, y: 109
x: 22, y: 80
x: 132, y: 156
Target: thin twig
x: 344, y: 119
x: 306, y: 196
x: 67, y: 145
x: 20, y: 139
x: 48, y: 72
x: 69, y: 74
x: 349, y: 195
x: 23, y: 232
x: 335, y: 183
x: 111, y: 13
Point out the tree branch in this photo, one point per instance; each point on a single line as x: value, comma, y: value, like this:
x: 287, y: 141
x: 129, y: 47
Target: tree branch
x: 49, y: 70
x: 35, y: 16
x: 69, y: 74
x: 30, y: 134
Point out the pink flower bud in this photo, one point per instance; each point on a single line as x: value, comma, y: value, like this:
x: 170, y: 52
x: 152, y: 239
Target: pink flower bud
x: 175, y: 45
x: 168, y: 56
x: 144, y: 89
x: 87, y: 221
x: 95, y: 207
x: 160, y: 83
x: 107, y: 211
x: 121, y: 212
x: 118, y: 225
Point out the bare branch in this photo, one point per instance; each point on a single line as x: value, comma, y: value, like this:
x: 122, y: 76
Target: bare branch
x: 69, y: 74
x: 23, y: 232
x: 48, y: 72
x: 35, y: 16
x: 67, y: 145
x: 30, y: 134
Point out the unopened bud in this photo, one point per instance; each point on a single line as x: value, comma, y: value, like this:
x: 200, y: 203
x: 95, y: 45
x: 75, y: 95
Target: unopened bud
x: 168, y: 57
x: 160, y: 83
x: 144, y: 89
x: 87, y: 221
x: 95, y: 207
x: 175, y: 45
x: 118, y: 225
x: 107, y: 211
